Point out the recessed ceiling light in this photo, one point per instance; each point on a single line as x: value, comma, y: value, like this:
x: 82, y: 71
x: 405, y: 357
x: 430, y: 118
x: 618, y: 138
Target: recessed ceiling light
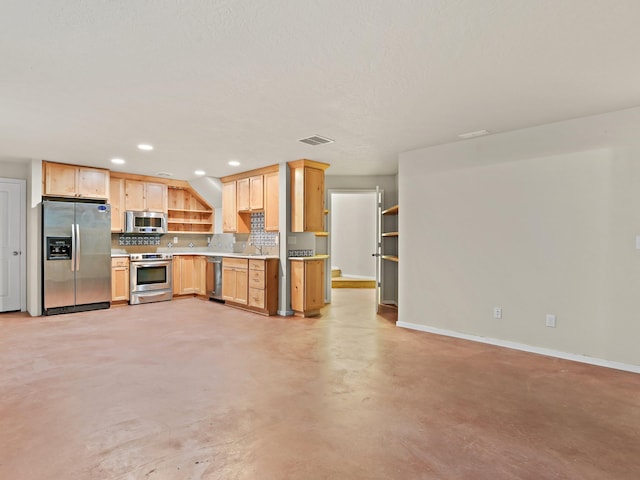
x: 145, y: 146
x: 477, y: 133
x: 199, y: 172
x: 234, y: 163
x: 118, y: 161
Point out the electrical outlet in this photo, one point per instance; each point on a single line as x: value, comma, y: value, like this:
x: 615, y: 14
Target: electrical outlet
x: 551, y: 320
x: 175, y: 240
x: 497, y: 312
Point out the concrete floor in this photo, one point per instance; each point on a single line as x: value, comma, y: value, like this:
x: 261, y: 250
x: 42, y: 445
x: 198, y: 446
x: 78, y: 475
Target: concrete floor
x: 194, y: 390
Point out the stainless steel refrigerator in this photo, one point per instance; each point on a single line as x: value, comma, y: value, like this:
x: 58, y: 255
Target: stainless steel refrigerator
x: 76, y: 263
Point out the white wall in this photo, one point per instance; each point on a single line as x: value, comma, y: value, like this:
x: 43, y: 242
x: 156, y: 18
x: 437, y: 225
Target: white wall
x: 538, y: 221
x: 14, y: 169
x: 353, y: 233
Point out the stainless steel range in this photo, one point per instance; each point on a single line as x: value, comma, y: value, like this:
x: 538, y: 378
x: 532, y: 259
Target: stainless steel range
x: 150, y: 277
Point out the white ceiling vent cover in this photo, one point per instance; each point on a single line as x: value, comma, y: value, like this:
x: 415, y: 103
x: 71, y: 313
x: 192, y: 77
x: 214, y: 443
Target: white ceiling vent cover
x: 316, y: 140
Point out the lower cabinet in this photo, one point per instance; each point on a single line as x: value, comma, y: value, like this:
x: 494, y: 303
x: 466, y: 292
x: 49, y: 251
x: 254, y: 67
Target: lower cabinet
x: 235, y: 280
x: 120, y: 279
x: 251, y: 284
x: 189, y: 274
x: 307, y: 287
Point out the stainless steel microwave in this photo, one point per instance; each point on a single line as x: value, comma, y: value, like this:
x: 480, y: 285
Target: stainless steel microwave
x: 145, y: 222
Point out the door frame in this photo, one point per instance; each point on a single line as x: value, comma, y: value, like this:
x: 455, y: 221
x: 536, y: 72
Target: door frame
x: 22, y: 184
x: 330, y: 192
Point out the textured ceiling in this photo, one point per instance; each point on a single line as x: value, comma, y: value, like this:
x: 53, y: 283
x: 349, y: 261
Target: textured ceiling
x: 211, y: 81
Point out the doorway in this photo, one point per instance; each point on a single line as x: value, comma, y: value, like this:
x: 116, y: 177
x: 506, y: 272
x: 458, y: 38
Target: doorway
x: 353, y: 239
x: 13, y: 265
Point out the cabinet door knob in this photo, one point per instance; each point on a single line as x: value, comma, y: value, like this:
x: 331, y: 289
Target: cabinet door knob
x: 15, y: 253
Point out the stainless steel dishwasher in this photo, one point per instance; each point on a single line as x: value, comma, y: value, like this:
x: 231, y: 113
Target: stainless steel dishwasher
x: 214, y: 278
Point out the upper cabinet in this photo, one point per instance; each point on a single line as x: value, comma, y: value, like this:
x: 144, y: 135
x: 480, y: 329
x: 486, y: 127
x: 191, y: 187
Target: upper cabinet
x: 307, y: 195
x: 62, y: 180
x: 116, y: 199
x: 229, y: 209
x: 271, y: 202
x: 143, y: 196
x: 243, y: 194
x: 248, y: 192
x: 256, y: 192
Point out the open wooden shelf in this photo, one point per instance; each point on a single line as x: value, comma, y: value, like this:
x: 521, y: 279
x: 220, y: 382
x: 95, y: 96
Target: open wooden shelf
x: 391, y: 211
x: 390, y: 234
x: 392, y: 258
x: 188, y: 213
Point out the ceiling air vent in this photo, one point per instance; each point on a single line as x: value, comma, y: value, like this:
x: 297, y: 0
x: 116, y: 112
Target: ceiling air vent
x: 316, y: 140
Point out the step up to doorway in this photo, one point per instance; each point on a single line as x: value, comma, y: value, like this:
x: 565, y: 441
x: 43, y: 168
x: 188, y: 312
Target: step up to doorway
x: 342, y: 282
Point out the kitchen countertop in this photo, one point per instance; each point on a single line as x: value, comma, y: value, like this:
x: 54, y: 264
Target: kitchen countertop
x: 209, y: 254
x: 315, y: 257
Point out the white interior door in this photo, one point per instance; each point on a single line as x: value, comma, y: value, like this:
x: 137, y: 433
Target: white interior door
x: 12, y: 268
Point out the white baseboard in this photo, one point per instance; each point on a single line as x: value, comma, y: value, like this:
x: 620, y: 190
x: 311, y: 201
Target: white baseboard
x: 523, y: 347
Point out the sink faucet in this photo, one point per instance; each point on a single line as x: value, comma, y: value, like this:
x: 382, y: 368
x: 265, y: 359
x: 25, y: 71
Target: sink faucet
x: 258, y: 249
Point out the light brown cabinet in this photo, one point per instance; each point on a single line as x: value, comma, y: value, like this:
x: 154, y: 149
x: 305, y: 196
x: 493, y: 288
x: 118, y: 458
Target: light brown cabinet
x: 145, y: 196
x: 307, y: 195
x: 263, y: 285
x: 235, y: 280
x: 243, y: 195
x: 116, y: 199
x: 62, y: 180
x: 307, y: 287
x: 271, y: 202
x: 250, y: 194
x: 120, y: 279
x: 189, y: 272
x: 256, y: 193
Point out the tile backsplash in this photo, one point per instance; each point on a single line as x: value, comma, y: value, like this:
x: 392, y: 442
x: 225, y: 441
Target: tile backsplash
x: 127, y: 240
x: 258, y: 236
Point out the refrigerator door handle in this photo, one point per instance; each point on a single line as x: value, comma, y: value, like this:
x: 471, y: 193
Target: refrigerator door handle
x: 78, y: 246
x: 73, y: 247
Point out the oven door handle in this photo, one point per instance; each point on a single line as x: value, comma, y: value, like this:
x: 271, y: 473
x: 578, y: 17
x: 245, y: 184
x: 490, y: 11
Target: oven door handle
x: 150, y: 264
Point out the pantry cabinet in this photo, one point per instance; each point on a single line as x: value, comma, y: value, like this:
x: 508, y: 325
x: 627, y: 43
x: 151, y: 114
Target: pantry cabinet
x: 307, y: 195
x: 62, y: 180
